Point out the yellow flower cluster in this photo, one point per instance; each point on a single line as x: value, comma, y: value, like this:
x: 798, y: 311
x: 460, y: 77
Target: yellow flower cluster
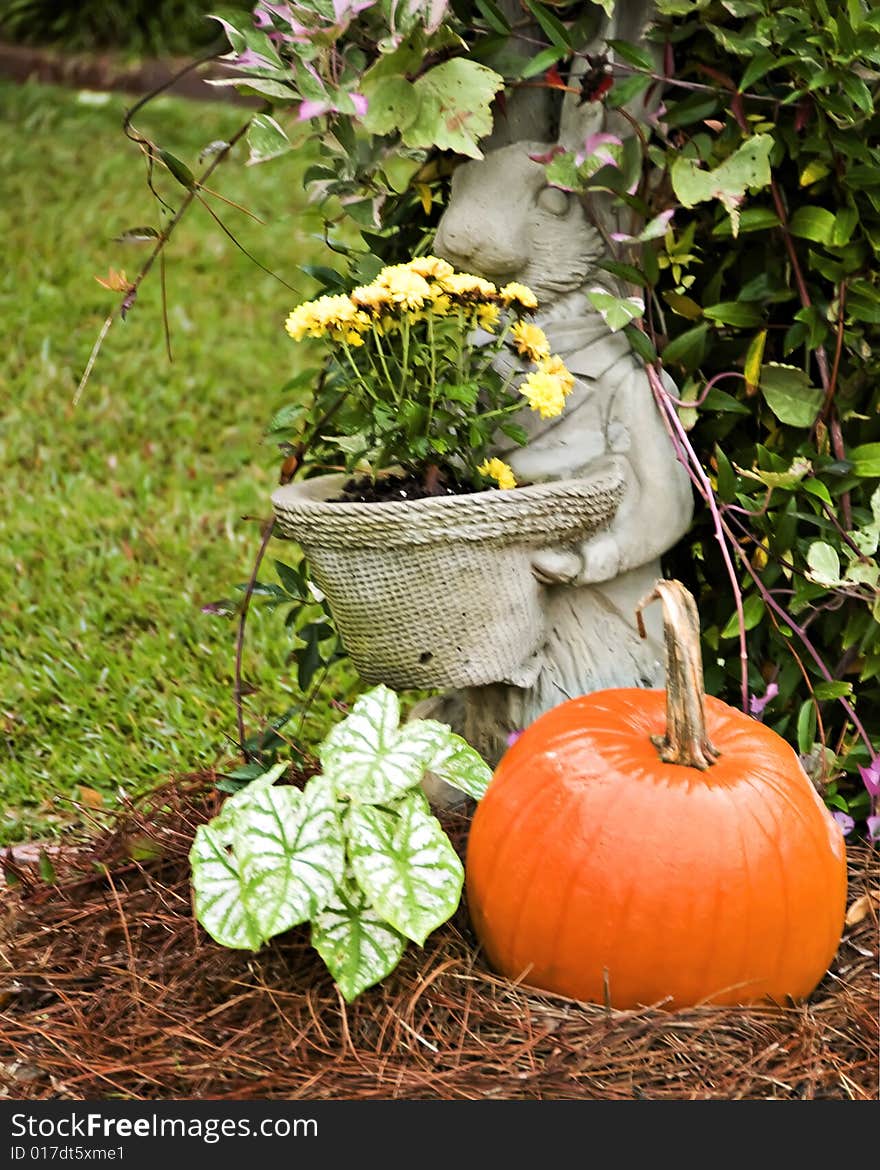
x: 425, y: 285
x: 500, y: 471
x: 546, y: 388
x: 327, y: 316
x: 385, y: 321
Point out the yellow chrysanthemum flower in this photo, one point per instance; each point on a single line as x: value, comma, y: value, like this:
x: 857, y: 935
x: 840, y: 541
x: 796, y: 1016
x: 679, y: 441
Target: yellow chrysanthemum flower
x: 464, y: 284
x: 488, y: 317
x: 545, y: 394
x: 300, y: 323
x: 407, y: 288
x: 531, y: 341
x: 498, y: 470
x: 430, y: 266
x: 372, y: 297
x: 557, y: 367
x: 318, y: 318
x: 519, y: 294
x: 441, y: 302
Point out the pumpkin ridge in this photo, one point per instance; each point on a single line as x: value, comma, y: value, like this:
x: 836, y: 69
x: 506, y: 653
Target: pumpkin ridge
x: 511, y: 829
x: 781, y: 936
x: 573, y: 874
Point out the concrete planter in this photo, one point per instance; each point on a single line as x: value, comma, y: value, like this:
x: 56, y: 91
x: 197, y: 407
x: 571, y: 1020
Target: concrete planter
x: 439, y: 592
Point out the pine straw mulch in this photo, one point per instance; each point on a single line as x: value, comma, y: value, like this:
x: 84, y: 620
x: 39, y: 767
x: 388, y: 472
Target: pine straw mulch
x: 109, y: 988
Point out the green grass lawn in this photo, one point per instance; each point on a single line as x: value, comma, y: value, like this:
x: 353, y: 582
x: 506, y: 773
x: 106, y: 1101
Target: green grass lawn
x: 122, y: 516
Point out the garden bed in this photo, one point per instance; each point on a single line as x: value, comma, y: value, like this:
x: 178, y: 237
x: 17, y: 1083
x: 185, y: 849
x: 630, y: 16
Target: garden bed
x: 111, y: 989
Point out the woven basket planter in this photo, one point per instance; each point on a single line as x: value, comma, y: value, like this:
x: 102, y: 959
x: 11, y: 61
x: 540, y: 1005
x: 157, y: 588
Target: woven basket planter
x: 439, y: 592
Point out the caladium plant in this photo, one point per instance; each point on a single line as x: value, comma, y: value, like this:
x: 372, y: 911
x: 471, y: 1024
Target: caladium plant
x: 357, y: 852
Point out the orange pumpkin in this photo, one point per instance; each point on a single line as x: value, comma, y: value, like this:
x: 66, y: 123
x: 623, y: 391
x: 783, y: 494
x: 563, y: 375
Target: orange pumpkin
x: 614, y: 862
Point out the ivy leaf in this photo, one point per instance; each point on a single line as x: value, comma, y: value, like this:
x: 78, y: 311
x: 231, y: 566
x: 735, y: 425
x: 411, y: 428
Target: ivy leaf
x: 747, y: 169
x: 616, y: 311
x: 406, y: 865
x: 357, y: 946
x: 369, y: 759
x: 454, y: 100
x: 291, y: 853
x: 788, y: 393
x: 393, y: 105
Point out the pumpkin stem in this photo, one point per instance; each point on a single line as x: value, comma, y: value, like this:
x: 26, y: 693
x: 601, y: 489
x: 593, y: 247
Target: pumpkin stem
x: 685, y: 741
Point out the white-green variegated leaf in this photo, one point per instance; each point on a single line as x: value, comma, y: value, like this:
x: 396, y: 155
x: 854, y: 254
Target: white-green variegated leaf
x: 371, y: 760
x: 291, y: 853
x: 405, y: 864
x: 233, y: 804
x: 217, y: 889
x: 358, y: 947
x: 456, y: 762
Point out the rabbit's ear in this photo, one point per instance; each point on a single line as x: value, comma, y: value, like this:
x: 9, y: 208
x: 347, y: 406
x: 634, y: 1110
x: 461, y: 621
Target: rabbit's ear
x: 581, y: 119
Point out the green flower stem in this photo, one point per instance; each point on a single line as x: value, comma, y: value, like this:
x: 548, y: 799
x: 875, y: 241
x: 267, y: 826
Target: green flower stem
x: 404, y: 370
x: 432, y: 389
x: 361, y: 380
x: 380, y: 354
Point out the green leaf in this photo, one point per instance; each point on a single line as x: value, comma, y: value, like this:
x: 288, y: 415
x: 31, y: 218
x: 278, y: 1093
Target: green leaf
x: 824, y: 563
x: 292, y: 580
x: 788, y: 393
x: 751, y: 219
x: 541, y: 62
x: 454, y: 107
x: 633, y: 55
x: 753, y: 611
x: 456, y: 762
x: 844, y: 225
x: 756, y: 69
x: 640, y: 342
x: 616, y: 311
x: 266, y: 139
x: 552, y: 26
x: 687, y: 349
x: 406, y: 866
x: 739, y: 314
x: 393, y: 104
x: 754, y: 360
x: 815, y: 170
x: 493, y: 16
x: 798, y: 468
x: 683, y: 306
x: 833, y: 689
x: 813, y: 223
x: 865, y: 460
x: 290, y: 852
x: 806, y: 726
x: 179, y: 170
x: 815, y: 487
x: 217, y: 881
x: 747, y: 169
x: 359, y: 948
x: 369, y: 758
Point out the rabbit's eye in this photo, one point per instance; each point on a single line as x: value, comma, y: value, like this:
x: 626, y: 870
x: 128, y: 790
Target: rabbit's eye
x: 553, y: 200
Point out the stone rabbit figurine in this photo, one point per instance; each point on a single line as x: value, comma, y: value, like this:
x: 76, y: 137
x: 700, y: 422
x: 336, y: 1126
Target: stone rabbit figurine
x: 504, y: 222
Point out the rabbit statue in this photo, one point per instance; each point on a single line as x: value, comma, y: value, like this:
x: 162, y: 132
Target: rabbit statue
x: 504, y: 222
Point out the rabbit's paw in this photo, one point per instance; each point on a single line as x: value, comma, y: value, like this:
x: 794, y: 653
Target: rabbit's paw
x: 556, y: 566
x: 600, y: 559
